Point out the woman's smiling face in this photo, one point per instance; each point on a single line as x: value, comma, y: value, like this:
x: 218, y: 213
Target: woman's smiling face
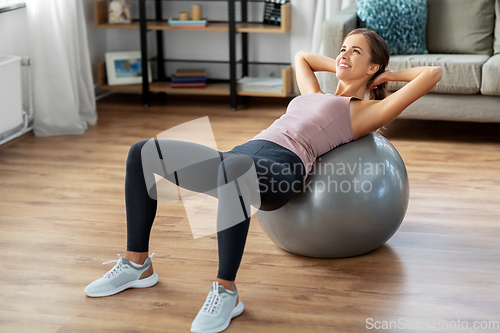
x: 354, y: 60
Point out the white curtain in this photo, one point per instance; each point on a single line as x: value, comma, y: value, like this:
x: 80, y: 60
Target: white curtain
x: 307, y: 18
x: 64, y: 99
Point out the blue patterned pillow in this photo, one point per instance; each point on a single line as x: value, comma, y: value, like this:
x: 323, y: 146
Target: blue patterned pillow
x: 401, y: 23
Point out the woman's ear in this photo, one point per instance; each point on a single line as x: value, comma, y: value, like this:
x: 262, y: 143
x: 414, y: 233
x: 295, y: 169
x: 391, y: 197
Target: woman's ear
x: 373, y: 69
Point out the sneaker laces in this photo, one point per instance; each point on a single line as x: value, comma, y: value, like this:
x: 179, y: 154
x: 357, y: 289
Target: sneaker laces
x: 213, y: 299
x: 118, y: 267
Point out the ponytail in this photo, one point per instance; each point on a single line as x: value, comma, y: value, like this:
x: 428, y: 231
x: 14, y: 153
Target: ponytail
x: 380, y: 92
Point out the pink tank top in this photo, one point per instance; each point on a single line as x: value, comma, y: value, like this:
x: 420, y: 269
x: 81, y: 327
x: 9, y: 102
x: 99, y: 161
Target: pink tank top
x: 313, y: 124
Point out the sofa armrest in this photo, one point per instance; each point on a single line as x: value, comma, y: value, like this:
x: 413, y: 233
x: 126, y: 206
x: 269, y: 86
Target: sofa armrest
x: 333, y: 33
x: 490, y: 84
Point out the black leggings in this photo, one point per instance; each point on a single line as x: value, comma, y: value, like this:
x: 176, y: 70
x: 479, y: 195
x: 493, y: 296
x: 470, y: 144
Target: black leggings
x: 279, y: 171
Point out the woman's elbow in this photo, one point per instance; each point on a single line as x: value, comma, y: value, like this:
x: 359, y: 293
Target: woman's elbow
x: 437, y: 72
x: 300, y: 54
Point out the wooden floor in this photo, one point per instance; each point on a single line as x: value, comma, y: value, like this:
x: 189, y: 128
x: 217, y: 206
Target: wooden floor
x: 62, y: 215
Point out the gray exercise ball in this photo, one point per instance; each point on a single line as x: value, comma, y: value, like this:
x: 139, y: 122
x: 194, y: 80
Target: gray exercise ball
x: 352, y: 202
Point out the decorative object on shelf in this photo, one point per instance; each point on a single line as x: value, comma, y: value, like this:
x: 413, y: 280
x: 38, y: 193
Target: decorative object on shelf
x: 119, y: 12
x: 125, y: 68
x: 184, y: 16
x: 272, y: 12
x: 189, y: 78
x: 177, y: 23
x: 196, y: 13
x: 260, y: 84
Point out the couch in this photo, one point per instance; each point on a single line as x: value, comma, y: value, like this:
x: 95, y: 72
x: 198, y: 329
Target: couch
x: 463, y: 39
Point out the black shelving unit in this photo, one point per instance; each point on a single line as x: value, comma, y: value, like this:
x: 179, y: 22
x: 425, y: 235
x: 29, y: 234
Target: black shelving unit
x: 225, y: 85
x: 160, y: 59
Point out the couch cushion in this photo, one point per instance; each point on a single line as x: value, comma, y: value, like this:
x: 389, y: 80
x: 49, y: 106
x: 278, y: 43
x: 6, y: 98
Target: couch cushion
x: 460, y: 26
x: 491, y: 77
x: 461, y: 72
x: 401, y: 23
x: 496, y: 46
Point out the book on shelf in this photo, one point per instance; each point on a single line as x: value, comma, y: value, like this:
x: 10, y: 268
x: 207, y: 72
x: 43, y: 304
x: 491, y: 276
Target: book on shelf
x: 260, y: 84
x: 188, y: 84
x: 189, y: 79
x: 195, y: 72
x: 191, y: 26
x: 176, y: 23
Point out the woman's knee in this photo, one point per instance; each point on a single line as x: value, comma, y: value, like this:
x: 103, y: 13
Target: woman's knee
x: 149, y: 155
x: 135, y: 153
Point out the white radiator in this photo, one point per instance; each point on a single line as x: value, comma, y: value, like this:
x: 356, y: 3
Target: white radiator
x: 13, y: 120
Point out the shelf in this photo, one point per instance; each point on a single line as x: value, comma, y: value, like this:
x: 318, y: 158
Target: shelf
x: 163, y: 25
x: 221, y: 89
x: 231, y: 88
x: 101, y: 21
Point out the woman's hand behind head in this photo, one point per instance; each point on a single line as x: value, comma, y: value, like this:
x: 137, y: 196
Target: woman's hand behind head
x: 381, y: 78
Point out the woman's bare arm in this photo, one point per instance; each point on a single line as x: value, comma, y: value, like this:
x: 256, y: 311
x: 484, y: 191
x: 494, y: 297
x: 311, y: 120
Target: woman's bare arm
x: 306, y: 64
x: 421, y: 81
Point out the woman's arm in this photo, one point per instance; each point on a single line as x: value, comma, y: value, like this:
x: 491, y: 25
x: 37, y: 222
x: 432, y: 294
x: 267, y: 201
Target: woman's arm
x: 306, y: 64
x: 404, y: 75
x: 421, y: 81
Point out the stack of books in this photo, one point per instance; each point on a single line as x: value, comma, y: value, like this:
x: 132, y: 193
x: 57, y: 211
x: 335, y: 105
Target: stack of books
x: 176, y: 23
x: 189, y: 78
x: 260, y: 84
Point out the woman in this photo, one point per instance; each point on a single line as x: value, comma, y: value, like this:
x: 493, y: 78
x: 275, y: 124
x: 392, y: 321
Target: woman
x: 282, y: 154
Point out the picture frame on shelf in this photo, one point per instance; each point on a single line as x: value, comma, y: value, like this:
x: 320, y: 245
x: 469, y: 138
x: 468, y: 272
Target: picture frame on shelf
x: 125, y: 68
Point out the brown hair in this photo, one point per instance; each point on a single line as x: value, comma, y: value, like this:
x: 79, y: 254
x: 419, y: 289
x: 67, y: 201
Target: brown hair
x: 379, y: 52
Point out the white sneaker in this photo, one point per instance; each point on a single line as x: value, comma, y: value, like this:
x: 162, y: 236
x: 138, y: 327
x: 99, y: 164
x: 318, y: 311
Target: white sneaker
x: 122, y: 276
x: 220, y: 307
